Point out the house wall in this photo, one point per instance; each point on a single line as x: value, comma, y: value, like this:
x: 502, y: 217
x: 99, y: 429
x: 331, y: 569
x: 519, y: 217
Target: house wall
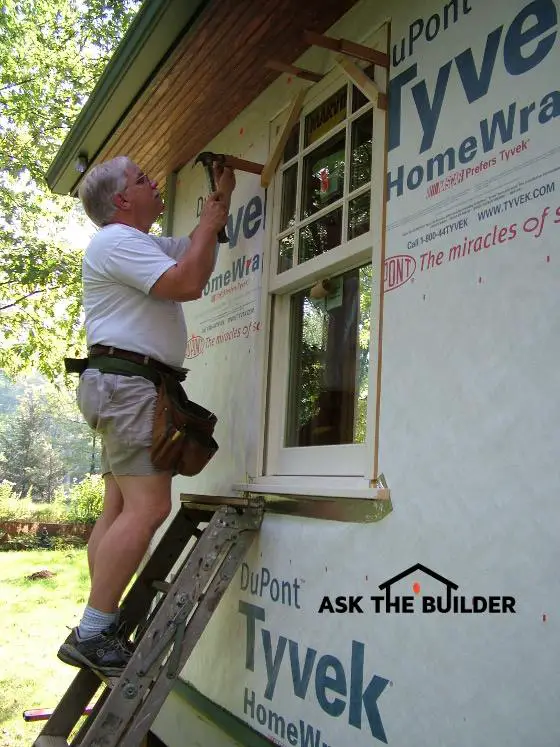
x: 469, y: 412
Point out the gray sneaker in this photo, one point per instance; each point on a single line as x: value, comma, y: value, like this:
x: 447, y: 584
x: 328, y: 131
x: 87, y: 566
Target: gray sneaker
x: 106, y: 653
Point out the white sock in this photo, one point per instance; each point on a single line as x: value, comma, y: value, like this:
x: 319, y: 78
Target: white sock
x: 94, y: 622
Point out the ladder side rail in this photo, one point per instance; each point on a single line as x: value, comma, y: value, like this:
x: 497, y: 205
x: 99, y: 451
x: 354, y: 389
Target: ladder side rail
x: 82, y: 731
x: 72, y: 705
x: 136, y: 604
x: 152, y: 704
x: 126, y: 696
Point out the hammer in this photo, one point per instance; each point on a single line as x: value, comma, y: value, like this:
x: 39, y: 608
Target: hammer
x: 208, y: 159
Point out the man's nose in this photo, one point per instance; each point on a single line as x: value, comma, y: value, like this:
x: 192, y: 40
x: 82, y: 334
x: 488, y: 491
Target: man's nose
x: 153, y: 183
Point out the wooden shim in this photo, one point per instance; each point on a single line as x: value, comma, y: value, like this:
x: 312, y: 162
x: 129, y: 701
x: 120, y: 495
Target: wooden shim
x: 276, y: 153
x: 360, y: 79
x: 299, y: 72
x: 348, y: 48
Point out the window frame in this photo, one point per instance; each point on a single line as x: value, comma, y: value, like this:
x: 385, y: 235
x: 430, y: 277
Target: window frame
x: 355, y: 462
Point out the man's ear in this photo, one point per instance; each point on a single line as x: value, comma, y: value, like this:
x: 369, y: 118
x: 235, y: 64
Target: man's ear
x: 120, y: 201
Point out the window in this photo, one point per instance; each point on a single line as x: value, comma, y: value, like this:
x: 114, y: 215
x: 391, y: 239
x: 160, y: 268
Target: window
x: 325, y: 277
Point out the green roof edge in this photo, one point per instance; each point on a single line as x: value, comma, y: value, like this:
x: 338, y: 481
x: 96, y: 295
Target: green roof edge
x: 155, y: 31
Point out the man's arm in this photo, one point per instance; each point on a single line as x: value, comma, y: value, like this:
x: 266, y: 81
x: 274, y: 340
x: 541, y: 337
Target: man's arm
x: 186, y: 280
x: 225, y: 184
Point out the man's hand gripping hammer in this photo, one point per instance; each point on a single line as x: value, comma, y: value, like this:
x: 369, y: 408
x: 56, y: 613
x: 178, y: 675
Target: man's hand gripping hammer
x: 208, y: 159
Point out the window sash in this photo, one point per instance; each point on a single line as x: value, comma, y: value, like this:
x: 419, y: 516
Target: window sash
x: 279, y: 279
x: 355, y: 461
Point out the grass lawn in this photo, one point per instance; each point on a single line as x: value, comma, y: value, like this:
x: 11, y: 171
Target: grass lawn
x: 35, y: 617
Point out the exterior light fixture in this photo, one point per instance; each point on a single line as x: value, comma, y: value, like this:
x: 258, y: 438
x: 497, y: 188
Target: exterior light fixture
x: 81, y: 163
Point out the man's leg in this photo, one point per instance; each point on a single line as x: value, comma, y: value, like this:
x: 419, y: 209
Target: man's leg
x: 137, y: 500
x: 112, y: 507
x: 146, y: 504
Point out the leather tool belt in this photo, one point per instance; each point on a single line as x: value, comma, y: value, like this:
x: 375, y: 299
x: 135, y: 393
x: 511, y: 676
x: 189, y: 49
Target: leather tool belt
x: 182, y: 440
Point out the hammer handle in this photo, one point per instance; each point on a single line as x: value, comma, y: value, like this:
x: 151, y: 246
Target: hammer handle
x: 222, y: 235
x: 241, y: 165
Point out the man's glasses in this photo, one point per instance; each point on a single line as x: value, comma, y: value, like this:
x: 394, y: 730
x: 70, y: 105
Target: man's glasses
x: 142, y: 179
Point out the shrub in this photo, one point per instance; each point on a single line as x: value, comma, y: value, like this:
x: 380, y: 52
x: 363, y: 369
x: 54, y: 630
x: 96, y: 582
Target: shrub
x: 86, y: 500
x: 66, y: 543
x: 21, y: 542
x: 55, y: 512
x: 82, y: 505
x: 13, y: 508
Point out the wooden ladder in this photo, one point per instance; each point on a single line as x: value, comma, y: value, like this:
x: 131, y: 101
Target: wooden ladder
x: 167, y: 619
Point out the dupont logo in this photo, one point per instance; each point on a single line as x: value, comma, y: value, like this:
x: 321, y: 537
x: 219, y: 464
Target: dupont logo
x: 398, y: 270
x: 195, y: 346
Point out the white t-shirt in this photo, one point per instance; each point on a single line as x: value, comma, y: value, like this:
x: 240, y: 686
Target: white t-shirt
x: 119, y: 268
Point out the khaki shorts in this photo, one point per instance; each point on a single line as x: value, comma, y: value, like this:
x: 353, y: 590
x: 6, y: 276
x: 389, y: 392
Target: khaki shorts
x: 121, y: 409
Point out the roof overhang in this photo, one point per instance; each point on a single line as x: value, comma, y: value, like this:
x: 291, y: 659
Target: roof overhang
x: 151, y: 38
x: 184, y: 71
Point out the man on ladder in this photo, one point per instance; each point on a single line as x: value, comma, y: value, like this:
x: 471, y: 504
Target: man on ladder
x: 133, y: 286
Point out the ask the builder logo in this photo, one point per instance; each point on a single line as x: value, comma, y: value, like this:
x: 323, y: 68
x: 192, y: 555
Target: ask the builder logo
x: 447, y: 601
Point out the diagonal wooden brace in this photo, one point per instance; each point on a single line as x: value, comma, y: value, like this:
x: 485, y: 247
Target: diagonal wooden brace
x: 298, y: 72
x: 361, y: 80
x: 276, y: 153
x: 344, y: 46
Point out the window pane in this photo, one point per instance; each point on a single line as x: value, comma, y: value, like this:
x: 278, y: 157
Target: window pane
x: 358, y: 215
x: 323, y: 175
x: 326, y: 116
x: 292, y: 145
x: 358, y: 98
x: 289, y: 186
x: 320, y: 236
x: 286, y: 253
x: 360, y: 165
x: 329, y: 362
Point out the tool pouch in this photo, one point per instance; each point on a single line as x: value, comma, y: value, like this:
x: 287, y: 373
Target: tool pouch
x: 182, y: 438
x: 75, y: 365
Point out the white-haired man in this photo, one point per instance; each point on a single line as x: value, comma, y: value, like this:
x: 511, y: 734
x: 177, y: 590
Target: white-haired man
x: 133, y: 286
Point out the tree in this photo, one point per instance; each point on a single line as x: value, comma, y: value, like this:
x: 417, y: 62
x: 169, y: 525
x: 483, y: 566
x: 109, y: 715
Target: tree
x: 26, y: 457
x: 45, y: 441
x: 74, y: 442
x: 51, y: 54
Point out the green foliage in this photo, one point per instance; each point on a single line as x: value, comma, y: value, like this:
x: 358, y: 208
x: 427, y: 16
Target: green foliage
x: 67, y: 542
x: 82, y: 505
x: 27, y: 457
x: 45, y: 441
x: 33, y: 542
x: 51, y: 54
x: 86, y: 500
x: 13, y: 508
x: 22, y: 542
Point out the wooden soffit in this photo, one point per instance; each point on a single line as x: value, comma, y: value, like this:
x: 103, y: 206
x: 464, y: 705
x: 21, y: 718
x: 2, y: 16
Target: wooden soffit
x: 214, y: 72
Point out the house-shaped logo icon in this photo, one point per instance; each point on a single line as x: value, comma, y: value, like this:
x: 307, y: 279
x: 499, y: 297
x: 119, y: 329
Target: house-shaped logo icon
x: 447, y: 601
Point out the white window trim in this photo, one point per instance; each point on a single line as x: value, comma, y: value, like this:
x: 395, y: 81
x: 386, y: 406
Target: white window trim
x: 305, y: 469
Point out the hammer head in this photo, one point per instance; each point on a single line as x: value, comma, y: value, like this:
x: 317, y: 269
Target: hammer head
x: 208, y: 159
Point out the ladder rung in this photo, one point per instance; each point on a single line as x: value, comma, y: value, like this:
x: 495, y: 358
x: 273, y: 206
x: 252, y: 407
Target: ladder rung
x: 42, y: 714
x: 49, y: 741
